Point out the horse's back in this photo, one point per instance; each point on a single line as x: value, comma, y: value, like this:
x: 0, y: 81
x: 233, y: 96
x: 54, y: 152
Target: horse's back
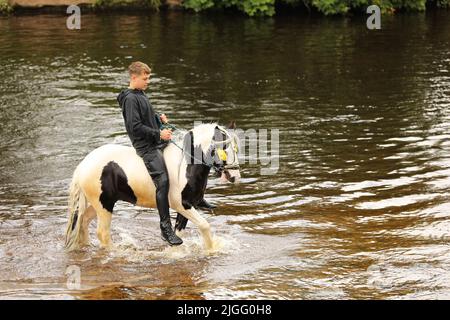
x: 95, y: 165
x: 111, y: 158
x: 109, y: 150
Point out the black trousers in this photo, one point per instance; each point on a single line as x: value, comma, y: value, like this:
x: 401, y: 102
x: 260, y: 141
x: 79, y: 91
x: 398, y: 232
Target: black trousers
x: 156, y: 167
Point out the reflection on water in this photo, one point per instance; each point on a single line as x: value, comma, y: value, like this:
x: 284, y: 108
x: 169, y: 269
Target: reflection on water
x: 358, y: 209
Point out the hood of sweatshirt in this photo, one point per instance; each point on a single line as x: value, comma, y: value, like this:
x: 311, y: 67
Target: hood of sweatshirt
x: 122, y: 95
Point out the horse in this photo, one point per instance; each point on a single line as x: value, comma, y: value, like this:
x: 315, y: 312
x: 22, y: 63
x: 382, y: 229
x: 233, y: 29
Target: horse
x: 115, y: 172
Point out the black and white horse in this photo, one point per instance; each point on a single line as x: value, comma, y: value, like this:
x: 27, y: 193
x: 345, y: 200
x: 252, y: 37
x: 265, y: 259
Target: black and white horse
x: 114, y: 172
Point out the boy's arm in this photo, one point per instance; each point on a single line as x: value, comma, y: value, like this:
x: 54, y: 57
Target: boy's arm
x: 134, y: 122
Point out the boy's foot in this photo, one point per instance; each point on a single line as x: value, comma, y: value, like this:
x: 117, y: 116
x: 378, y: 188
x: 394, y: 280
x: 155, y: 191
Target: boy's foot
x: 171, y: 238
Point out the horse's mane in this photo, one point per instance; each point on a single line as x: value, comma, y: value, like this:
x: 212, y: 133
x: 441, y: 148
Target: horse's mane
x: 203, y: 134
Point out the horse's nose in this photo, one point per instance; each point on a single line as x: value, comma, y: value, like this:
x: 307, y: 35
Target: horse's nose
x: 232, y: 179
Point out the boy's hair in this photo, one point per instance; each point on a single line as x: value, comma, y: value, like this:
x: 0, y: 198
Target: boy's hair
x: 137, y: 68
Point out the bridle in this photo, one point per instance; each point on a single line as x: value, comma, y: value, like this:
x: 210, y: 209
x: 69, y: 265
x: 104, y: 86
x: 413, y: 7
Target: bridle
x: 221, y: 165
x: 219, y: 148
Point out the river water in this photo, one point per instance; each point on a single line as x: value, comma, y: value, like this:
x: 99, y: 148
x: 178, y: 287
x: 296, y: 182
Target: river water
x: 358, y: 208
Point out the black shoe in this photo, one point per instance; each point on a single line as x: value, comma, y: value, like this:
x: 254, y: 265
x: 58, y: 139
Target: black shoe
x: 168, y: 235
x: 203, y: 204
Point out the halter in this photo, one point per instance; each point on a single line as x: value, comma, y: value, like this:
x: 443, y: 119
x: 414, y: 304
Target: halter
x: 219, y: 151
x: 223, y: 155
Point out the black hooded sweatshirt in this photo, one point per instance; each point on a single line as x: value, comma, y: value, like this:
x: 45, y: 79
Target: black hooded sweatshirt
x: 140, y: 121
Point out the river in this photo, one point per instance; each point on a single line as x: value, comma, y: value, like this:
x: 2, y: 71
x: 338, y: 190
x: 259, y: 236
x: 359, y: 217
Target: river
x: 357, y: 209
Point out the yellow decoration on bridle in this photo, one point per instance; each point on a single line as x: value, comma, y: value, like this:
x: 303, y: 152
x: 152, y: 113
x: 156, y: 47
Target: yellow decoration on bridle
x: 222, y: 154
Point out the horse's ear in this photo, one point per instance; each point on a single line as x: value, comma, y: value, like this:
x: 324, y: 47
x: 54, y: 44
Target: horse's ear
x: 232, y: 125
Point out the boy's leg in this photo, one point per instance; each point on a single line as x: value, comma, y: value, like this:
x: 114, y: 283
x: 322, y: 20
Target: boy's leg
x: 154, y: 161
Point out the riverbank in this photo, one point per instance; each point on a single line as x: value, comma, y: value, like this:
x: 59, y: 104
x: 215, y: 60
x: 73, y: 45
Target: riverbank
x: 249, y: 7
x: 58, y: 6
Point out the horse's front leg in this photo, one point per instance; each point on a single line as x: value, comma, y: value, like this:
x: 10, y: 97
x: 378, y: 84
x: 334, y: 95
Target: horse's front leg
x: 203, y: 225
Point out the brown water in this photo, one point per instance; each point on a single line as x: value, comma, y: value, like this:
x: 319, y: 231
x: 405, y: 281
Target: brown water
x: 359, y: 207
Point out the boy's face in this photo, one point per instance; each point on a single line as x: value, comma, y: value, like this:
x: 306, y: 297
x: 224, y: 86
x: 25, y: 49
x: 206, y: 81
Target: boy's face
x: 141, y: 81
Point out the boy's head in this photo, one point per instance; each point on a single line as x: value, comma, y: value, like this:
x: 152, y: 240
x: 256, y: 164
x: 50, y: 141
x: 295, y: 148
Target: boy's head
x: 139, y: 75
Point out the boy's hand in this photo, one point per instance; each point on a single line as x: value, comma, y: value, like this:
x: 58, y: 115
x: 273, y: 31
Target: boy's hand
x: 166, y: 134
x: 163, y: 118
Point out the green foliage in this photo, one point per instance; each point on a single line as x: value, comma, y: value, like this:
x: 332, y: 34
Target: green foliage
x: 343, y: 6
x: 327, y: 7
x: 443, y: 3
x: 250, y: 7
x: 410, y: 5
x: 331, y: 6
x: 198, y: 5
x: 267, y: 7
x: 5, y: 8
x: 258, y: 7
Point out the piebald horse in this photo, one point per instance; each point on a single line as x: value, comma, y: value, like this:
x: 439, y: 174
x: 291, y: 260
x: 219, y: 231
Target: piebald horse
x: 115, y: 172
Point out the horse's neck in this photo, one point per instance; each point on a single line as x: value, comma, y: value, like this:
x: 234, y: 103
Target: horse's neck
x: 197, y: 179
x: 196, y: 175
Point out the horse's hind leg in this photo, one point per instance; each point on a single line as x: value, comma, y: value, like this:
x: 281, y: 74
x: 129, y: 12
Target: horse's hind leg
x: 87, y: 217
x: 104, y: 226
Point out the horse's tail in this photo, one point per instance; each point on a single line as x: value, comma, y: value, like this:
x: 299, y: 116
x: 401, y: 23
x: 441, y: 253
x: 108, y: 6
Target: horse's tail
x: 77, y: 206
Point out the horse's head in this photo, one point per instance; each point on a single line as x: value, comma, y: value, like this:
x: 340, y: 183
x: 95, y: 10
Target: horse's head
x: 216, y: 147
x: 225, y: 153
